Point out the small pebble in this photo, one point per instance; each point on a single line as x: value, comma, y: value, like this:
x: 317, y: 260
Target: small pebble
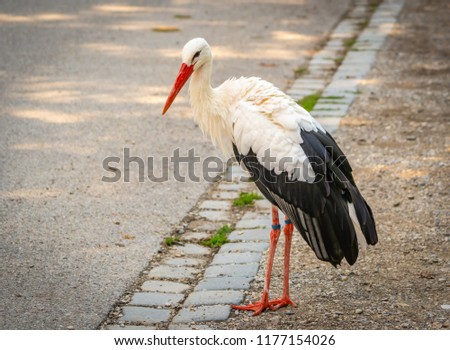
x: 358, y: 311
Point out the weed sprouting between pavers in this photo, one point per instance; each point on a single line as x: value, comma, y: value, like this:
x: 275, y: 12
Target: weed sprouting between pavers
x: 246, y: 198
x: 308, y: 102
x: 300, y: 71
x: 219, y: 238
x: 169, y: 241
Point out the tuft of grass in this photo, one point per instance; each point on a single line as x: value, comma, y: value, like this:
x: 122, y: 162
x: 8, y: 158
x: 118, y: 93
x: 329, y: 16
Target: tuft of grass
x: 338, y: 60
x: 300, y: 71
x: 333, y: 97
x: 165, y: 29
x: 246, y: 198
x: 348, y: 43
x: 308, y: 102
x: 169, y: 241
x: 219, y: 238
x: 182, y: 16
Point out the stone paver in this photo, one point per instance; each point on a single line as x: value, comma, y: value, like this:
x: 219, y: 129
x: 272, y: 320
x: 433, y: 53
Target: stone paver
x: 236, y: 258
x: 263, y: 222
x: 217, y: 205
x: 220, y: 283
x: 213, y: 297
x: 146, y: 315
x: 263, y: 205
x: 184, y: 326
x: 196, y: 236
x: 250, y: 235
x: 203, y: 313
x: 215, y: 215
x: 164, y: 286
x: 244, y: 247
x: 156, y: 299
x: 173, y: 272
x: 184, y: 262
x: 236, y: 270
x: 226, y: 195
x: 117, y: 327
x: 192, y: 249
x: 230, y: 186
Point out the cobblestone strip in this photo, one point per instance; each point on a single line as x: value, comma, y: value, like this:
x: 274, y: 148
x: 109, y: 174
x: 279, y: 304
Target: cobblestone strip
x: 325, y: 62
x: 176, y: 291
x: 337, y: 95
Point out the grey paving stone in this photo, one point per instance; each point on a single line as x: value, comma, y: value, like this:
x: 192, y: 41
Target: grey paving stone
x: 193, y: 249
x: 221, y: 283
x: 218, y: 205
x: 215, y: 215
x: 146, y: 315
x: 340, y: 96
x: 244, y: 247
x: 310, y: 83
x: 232, y: 270
x: 330, y: 107
x: 236, y: 258
x: 335, y: 43
x: 116, y: 327
x: 258, y: 234
x: 183, y: 262
x: 213, y: 297
x: 184, y: 326
x: 254, y: 223
x: 226, y: 195
x: 196, y: 236
x: 330, y: 124
x: 166, y: 271
x: 251, y: 215
x: 203, y: 313
x: 156, y: 299
x: 298, y: 93
x: 232, y: 186
x: 344, y: 84
x: 322, y: 62
x: 205, y: 226
x: 263, y: 205
x: 164, y: 286
x: 339, y: 112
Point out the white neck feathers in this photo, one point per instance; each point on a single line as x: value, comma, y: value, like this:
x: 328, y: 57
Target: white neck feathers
x: 210, y: 109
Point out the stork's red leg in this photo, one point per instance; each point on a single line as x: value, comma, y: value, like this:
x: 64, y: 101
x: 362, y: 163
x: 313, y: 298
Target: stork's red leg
x: 285, y: 299
x: 264, y: 303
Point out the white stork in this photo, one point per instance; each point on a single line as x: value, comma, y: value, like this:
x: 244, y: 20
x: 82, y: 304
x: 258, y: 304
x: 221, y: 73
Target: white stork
x: 294, y: 162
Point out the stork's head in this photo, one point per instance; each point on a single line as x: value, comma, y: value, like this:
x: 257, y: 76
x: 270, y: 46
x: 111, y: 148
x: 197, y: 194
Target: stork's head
x: 195, y: 54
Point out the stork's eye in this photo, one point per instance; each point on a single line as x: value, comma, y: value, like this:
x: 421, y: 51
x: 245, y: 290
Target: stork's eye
x: 196, y: 55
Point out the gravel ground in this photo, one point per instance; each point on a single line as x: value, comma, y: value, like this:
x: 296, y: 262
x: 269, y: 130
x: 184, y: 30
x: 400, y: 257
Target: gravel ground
x: 81, y: 80
x: 396, y: 137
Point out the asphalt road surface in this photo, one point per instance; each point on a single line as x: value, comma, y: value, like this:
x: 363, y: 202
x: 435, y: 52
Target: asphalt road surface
x: 79, y: 82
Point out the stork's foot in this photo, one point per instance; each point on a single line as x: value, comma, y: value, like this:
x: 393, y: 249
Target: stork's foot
x: 256, y: 307
x: 259, y: 306
x: 281, y: 302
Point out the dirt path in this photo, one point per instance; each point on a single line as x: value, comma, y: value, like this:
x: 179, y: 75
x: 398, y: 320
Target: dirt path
x: 396, y: 137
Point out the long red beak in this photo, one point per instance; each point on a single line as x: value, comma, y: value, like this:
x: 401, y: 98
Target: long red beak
x: 183, y: 75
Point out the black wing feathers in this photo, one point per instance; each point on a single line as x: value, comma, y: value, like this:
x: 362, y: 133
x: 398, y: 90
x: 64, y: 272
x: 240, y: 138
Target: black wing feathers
x: 319, y: 210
